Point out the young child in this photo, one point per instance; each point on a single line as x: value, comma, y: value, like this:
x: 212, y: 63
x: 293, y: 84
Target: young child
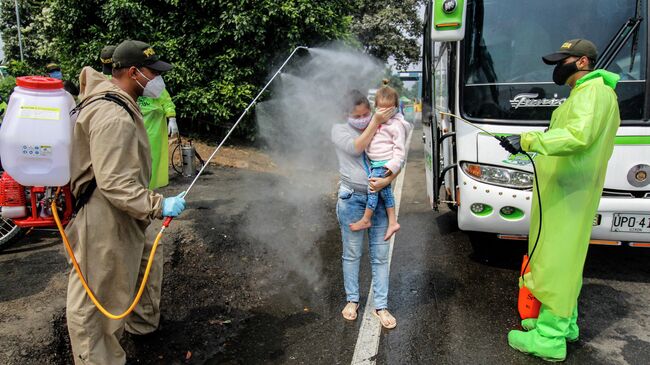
x: 386, y: 152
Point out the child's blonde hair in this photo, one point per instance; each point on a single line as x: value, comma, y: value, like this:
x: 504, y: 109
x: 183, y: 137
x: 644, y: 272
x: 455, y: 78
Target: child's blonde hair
x: 387, y: 93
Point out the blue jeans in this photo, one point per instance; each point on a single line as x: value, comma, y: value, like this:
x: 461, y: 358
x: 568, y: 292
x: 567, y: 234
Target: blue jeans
x: 385, y: 193
x: 349, y: 209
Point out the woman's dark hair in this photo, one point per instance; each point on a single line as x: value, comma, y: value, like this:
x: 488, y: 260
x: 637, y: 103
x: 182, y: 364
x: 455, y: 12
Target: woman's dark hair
x: 353, y: 99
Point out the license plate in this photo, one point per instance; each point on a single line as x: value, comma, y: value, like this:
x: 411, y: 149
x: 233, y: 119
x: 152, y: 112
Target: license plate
x: 629, y: 222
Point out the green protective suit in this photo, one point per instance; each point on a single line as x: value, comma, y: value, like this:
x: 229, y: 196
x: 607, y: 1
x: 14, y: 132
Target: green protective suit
x: 155, y: 113
x: 571, y: 166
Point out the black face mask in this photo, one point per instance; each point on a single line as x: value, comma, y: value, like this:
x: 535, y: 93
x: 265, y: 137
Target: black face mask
x: 562, y: 72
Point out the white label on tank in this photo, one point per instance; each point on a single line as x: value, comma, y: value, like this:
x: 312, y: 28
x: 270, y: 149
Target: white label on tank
x: 36, y: 151
x: 39, y: 112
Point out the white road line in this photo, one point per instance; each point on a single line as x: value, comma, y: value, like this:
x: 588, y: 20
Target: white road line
x: 370, y: 332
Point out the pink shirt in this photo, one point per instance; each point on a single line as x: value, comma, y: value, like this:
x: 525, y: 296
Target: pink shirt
x: 389, y: 143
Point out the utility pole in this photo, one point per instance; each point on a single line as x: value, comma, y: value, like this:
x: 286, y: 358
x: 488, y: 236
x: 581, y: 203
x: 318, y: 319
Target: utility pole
x: 20, y: 36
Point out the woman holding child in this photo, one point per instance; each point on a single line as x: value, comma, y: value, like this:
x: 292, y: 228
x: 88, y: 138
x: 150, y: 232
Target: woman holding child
x: 360, y: 180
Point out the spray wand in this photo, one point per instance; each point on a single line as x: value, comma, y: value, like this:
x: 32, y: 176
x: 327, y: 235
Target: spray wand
x: 539, y: 197
x: 166, y: 222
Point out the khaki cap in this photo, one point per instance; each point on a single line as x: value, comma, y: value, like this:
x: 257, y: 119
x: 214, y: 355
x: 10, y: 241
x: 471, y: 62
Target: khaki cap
x: 573, y: 47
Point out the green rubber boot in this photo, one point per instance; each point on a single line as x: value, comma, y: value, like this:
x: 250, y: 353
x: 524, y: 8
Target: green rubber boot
x: 529, y: 324
x: 546, y: 341
x: 573, y: 333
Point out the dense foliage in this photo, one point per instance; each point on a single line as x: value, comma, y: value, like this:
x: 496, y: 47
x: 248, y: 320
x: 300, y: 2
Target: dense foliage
x: 222, y: 49
x: 389, y: 29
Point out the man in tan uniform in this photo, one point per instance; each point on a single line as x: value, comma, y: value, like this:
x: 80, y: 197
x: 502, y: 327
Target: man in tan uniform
x: 111, y: 168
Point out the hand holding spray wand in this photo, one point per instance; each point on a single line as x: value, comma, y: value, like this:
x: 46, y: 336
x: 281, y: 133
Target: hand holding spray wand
x: 167, y: 220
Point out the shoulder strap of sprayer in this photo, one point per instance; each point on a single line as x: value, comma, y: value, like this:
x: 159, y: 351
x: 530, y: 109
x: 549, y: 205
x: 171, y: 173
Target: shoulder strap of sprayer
x: 366, y: 167
x: 84, y: 197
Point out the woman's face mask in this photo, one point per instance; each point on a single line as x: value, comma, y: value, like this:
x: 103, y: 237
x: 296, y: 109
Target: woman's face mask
x: 154, y: 87
x: 360, y: 123
x: 360, y: 117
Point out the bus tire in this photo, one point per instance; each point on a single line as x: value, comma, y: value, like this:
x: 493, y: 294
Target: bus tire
x: 483, y: 245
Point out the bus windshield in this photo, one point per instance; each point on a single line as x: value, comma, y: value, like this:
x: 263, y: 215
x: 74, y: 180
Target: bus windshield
x: 506, y: 39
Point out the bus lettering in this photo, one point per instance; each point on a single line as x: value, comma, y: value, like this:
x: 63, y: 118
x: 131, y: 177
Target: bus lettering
x: 530, y: 100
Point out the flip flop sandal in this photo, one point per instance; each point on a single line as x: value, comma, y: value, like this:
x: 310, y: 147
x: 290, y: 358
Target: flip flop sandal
x: 350, y: 311
x: 385, y: 318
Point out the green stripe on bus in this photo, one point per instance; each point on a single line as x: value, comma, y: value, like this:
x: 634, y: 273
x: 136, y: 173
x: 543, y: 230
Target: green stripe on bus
x: 620, y: 140
x: 632, y: 140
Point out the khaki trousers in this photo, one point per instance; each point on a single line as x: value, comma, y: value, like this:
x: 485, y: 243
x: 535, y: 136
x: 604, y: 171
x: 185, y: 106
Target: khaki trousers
x: 113, y: 263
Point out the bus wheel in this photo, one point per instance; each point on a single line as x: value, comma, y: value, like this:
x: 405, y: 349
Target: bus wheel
x: 483, y: 245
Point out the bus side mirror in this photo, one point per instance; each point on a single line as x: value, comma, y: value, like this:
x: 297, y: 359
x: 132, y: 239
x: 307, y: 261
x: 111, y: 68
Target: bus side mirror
x: 448, y: 20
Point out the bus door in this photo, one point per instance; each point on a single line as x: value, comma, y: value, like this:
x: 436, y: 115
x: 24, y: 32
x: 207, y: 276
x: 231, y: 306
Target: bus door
x: 444, y: 27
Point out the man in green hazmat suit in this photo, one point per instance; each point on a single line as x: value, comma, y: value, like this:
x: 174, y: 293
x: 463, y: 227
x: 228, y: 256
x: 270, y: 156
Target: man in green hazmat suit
x: 160, y: 120
x: 571, y: 161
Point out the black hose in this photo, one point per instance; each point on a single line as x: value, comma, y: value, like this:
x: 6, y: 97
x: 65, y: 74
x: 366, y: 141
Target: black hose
x: 539, y: 202
x: 177, y: 148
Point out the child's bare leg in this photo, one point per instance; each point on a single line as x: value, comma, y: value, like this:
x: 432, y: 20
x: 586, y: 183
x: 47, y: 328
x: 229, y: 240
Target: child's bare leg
x: 364, y: 222
x: 393, y: 226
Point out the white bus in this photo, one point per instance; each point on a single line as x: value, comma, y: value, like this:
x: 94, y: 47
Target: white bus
x: 482, y: 63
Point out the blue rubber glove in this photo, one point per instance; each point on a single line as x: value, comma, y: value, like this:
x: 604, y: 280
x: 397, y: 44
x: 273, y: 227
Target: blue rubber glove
x: 172, y: 207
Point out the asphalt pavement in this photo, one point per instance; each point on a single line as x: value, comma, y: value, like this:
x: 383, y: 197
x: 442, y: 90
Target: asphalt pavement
x: 456, y: 307
x: 452, y: 305
x: 236, y: 298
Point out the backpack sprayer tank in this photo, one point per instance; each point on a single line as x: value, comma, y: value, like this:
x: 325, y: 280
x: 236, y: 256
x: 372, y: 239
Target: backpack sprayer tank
x: 35, y: 149
x: 36, y: 133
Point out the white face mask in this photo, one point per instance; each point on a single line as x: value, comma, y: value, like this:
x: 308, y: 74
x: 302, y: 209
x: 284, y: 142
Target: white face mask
x: 154, y: 87
x: 360, y: 123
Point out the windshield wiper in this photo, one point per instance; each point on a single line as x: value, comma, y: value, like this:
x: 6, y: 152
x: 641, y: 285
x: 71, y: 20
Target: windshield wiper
x: 629, y: 28
x: 635, y: 40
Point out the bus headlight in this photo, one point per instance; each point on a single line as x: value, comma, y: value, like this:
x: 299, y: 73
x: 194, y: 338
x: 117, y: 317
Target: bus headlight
x: 500, y: 176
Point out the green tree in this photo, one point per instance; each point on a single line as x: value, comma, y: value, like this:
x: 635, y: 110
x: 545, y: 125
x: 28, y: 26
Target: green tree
x: 389, y: 29
x: 222, y: 50
x: 412, y: 92
x: 30, y: 29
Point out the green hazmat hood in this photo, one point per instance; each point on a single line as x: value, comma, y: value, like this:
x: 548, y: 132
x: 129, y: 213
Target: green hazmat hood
x: 448, y: 20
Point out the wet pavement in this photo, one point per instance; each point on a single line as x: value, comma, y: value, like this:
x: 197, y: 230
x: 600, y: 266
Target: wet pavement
x: 231, y: 297
x: 453, y: 306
